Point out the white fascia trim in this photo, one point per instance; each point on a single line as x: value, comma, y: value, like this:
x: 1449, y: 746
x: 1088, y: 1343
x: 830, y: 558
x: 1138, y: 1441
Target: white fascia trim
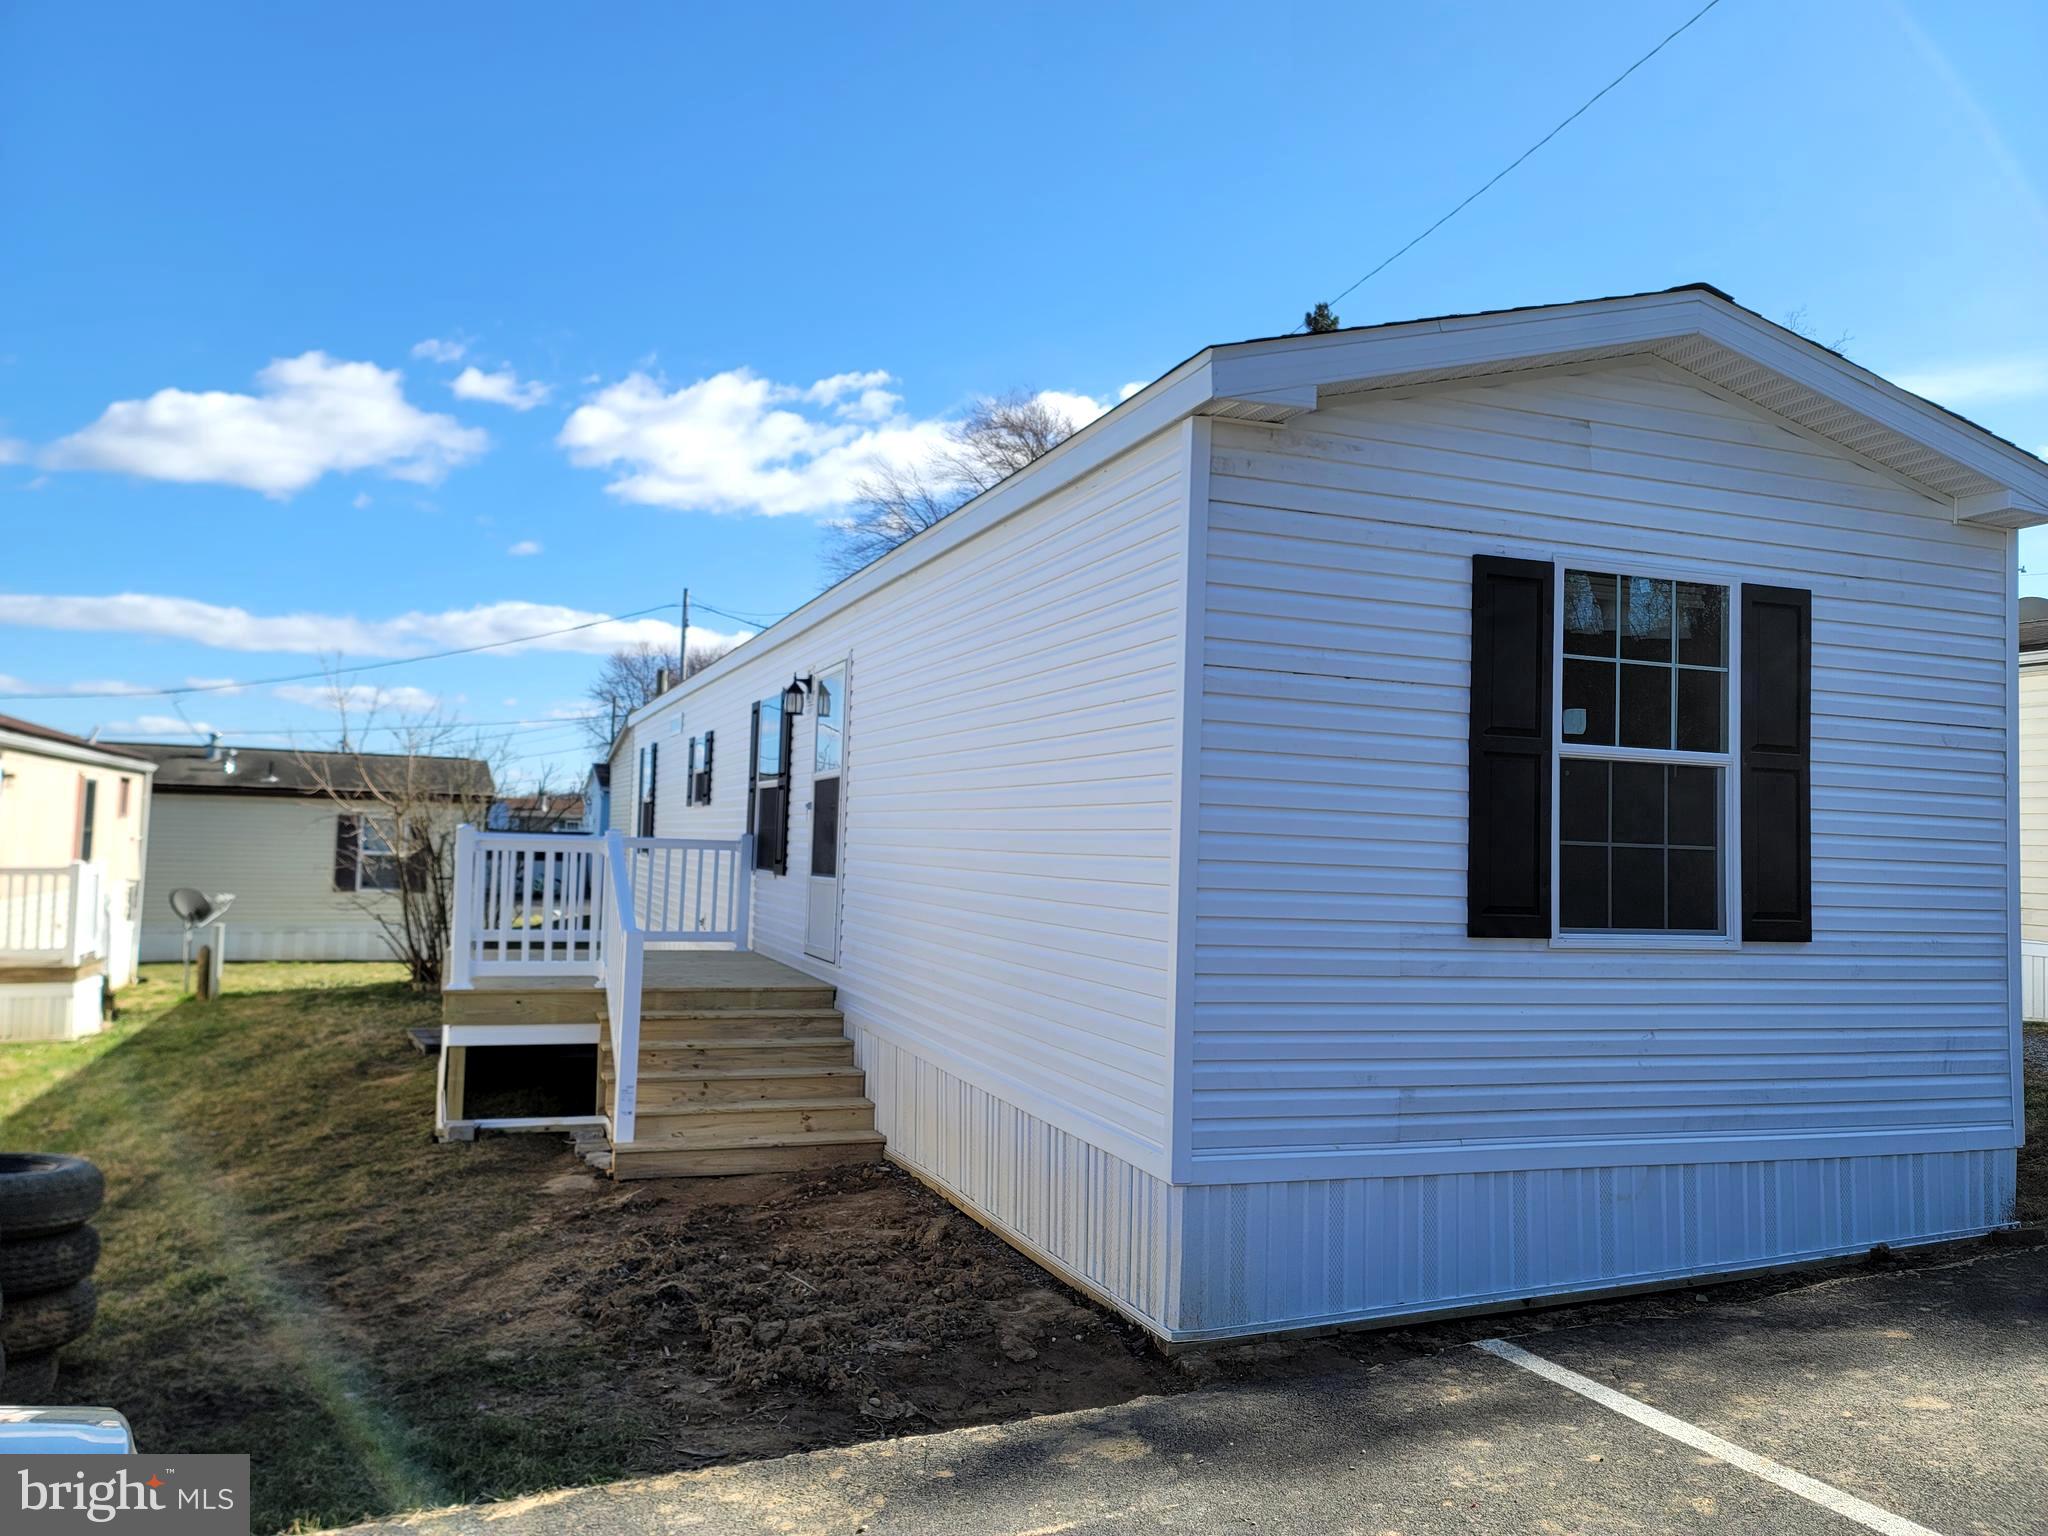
x: 1876, y: 397
x: 40, y: 746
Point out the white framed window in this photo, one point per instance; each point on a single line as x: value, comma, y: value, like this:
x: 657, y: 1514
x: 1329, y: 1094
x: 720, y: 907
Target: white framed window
x: 1643, y: 793
x: 377, y: 865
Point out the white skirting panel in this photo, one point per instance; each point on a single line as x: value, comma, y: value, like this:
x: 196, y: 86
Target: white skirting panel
x: 2034, y: 981
x: 1212, y: 1261
x: 1089, y: 1216
x: 50, y: 1010
x: 1262, y: 1257
x: 247, y: 942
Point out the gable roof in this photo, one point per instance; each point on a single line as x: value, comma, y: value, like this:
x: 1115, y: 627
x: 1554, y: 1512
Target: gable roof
x: 49, y: 741
x: 1696, y: 327
x: 2033, y: 624
x: 187, y: 767
x: 1980, y: 476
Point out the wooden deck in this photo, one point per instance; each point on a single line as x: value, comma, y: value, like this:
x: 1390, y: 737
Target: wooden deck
x: 744, y: 1066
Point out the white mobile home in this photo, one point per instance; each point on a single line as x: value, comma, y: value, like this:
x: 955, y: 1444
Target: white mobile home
x: 1412, y: 818
x: 74, y: 816
x: 303, y: 841
x: 2033, y: 635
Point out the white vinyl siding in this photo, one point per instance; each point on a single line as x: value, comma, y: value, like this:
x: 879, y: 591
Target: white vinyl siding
x: 276, y: 855
x: 1010, y: 776
x: 1344, y: 1024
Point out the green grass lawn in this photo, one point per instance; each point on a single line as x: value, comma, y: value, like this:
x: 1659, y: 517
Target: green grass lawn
x: 280, y: 1235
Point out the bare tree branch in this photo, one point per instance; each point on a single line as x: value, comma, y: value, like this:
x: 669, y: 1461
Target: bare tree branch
x: 995, y: 439
x: 408, y: 802
x: 631, y: 676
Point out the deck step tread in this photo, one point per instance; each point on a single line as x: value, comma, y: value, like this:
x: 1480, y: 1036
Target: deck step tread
x: 740, y: 1074
x: 757, y: 1106
x: 759, y: 1143
x: 741, y: 1013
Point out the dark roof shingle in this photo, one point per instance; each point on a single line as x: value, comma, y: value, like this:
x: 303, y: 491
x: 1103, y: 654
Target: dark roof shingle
x: 288, y: 771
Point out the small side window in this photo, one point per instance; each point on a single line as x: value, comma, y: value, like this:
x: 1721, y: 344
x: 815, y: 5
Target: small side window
x: 650, y: 766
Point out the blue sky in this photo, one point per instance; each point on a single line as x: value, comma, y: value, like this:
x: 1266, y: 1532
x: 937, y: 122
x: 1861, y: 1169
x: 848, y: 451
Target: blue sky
x: 334, y: 334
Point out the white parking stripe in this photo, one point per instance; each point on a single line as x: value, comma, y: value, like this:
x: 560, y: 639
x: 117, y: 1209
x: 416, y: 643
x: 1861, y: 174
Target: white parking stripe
x: 1847, y: 1505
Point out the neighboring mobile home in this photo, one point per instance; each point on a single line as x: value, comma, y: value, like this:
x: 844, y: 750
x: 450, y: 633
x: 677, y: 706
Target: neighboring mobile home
x: 2033, y: 632
x: 1414, y: 818
x: 542, y: 812
x: 301, y: 840
x: 73, y: 826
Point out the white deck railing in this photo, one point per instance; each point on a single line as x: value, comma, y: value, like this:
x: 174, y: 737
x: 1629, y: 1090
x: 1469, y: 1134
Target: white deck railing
x: 539, y: 905
x: 691, y: 890
x: 56, y: 916
x: 527, y: 904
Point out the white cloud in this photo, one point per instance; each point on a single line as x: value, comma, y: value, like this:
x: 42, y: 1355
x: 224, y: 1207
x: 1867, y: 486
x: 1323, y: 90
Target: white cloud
x: 13, y: 451
x: 1129, y: 390
x: 311, y: 634
x: 314, y: 415
x: 1971, y: 383
x: 525, y: 547
x: 500, y: 388
x: 225, y: 686
x: 112, y: 687
x: 736, y: 442
x: 435, y: 350
x: 361, y: 698
x: 361, y: 500
x: 1078, y: 409
x: 162, y: 725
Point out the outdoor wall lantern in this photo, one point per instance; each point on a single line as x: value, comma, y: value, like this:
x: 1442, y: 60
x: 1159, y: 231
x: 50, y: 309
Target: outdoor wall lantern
x: 793, y: 695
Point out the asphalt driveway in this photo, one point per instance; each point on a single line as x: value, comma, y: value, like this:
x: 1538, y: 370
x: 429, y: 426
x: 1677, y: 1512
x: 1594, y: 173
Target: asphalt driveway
x: 1899, y: 1402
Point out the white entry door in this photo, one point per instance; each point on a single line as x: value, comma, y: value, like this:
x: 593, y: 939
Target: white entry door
x: 828, y: 769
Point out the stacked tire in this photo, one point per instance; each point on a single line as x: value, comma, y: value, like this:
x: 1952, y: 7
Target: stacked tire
x: 47, y: 1252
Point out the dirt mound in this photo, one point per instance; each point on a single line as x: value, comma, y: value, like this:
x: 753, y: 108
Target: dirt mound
x: 853, y: 1285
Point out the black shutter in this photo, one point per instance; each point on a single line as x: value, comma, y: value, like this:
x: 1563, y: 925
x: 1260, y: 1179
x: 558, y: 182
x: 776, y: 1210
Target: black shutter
x: 1507, y: 882
x: 704, y: 792
x: 346, y: 840
x: 788, y: 757
x: 754, y: 777
x: 1777, y: 776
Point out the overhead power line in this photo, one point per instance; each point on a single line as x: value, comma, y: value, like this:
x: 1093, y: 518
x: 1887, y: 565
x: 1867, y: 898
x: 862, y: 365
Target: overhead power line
x: 737, y: 618
x: 236, y: 734
x: 234, y: 685
x: 1505, y: 170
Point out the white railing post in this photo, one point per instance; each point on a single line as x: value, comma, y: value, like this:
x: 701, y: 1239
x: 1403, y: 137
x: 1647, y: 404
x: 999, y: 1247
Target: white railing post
x: 462, y: 912
x: 743, y: 892
x: 624, y: 959
x: 75, y: 908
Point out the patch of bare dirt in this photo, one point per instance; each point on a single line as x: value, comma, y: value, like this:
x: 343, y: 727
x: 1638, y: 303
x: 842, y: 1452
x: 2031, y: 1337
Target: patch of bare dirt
x: 856, y: 1300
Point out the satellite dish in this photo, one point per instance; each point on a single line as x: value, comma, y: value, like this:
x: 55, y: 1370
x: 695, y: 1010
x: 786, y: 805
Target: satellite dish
x: 195, y: 910
x: 193, y: 907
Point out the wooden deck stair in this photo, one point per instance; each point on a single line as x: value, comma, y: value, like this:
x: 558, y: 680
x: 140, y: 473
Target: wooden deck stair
x: 752, y: 1074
